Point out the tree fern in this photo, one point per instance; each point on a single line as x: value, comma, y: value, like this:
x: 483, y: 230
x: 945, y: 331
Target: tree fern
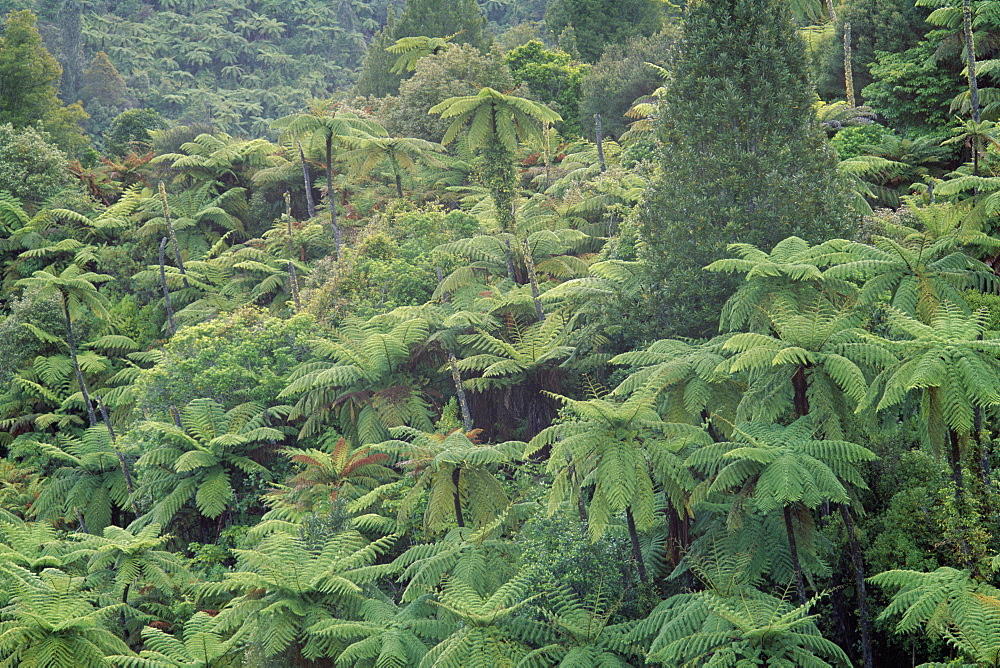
x: 50, y: 623
x: 622, y: 451
x: 947, y: 603
x: 459, y: 475
x: 366, y: 385
x: 200, y: 646
x: 731, y: 623
x: 283, y: 588
x: 202, y: 461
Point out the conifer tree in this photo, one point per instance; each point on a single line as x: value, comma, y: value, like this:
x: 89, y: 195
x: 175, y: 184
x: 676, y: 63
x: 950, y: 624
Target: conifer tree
x: 29, y: 77
x: 102, y: 82
x: 375, y: 77
x: 440, y: 18
x: 29, y: 74
x: 742, y: 161
x: 594, y: 24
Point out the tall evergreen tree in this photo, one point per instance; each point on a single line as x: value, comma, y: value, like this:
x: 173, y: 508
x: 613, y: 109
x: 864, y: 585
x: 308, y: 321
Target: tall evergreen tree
x: 743, y: 159
x: 375, y: 77
x: 29, y: 74
x: 440, y: 18
x: 597, y: 23
x: 29, y: 78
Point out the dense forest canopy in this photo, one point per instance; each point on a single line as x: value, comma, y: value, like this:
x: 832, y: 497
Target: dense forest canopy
x: 446, y: 333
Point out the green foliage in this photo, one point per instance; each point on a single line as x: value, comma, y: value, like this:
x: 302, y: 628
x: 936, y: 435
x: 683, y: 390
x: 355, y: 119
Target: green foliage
x: 459, y: 476
x: 440, y: 18
x: 765, y: 176
x: 622, y: 450
x: 89, y: 482
x: 200, y: 646
x: 781, y: 466
x: 730, y: 622
x: 886, y: 26
x: 598, y: 23
x: 51, y: 623
x: 458, y: 71
x: 28, y: 79
x: 102, y: 84
x: 205, y: 459
x: 913, y: 90
x: 622, y: 77
x: 133, y: 563
x: 483, y: 637
x: 553, y: 76
x: 31, y: 168
x: 238, y: 68
x: 387, y: 634
x: 497, y: 123
x: 949, y: 603
x: 375, y: 78
x: 129, y: 131
x: 285, y: 590
x: 242, y: 357
x: 851, y: 142
x: 364, y: 382
x: 949, y: 362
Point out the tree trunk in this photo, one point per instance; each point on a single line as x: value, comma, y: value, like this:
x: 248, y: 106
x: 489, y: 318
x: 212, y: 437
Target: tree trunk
x: 955, y: 461
x: 398, y: 177
x: 636, y: 548
x: 173, y: 235
x: 463, y: 399
x: 171, y: 325
x: 970, y: 61
x: 599, y: 135
x: 456, y: 476
x: 864, y: 617
x: 511, y: 274
x: 801, y: 387
x: 793, y: 550
x: 71, y: 342
x: 292, y: 275
x: 848, y: 69
x: 310, y: 204
x: 581, y: 507
x: 529, y: 263
x: 126, y: 473
x: 330, y: 195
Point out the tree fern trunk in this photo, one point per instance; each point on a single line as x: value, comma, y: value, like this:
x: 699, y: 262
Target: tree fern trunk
x: 793, y: 550
x: 173, y: 235
x: 581, y: 507
x: 955, y: 461
x: 970, y: 61
x: 529, y: 263
x: 293, y: 278
x: 463, y: 398
x: 636, y: 548
x: 126, y: 473
x: 330, y: 195
x: 71, y: 342
x: 848, y: 68
x: 398, y: 177
x: 801, y: 387
x: 456, y: 476
x: 510, y: 261
x: 864, y: 616
x: 599, y: 136
x: 310, y: 204
x: 171, y: 325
